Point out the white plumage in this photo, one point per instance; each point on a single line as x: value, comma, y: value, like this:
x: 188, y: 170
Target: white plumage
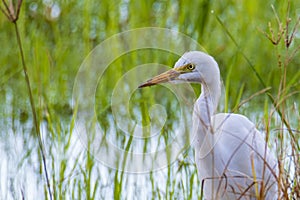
x: 232, y: 158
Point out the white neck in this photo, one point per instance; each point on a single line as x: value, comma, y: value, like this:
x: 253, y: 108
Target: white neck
x: 206, y: 105
x: 213, y: 93
x: 207, y: 102
x: 204, y: 108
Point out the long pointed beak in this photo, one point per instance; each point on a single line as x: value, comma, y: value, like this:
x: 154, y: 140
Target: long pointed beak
x: 161, y: 78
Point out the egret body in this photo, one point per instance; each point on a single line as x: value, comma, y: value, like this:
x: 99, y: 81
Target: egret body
x: 231, y: 155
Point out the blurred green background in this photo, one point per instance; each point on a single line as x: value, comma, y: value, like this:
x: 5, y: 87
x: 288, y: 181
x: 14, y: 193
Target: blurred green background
x: 58, y: 35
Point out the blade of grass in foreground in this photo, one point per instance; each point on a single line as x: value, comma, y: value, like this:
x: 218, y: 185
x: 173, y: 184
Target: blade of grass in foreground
x: 13, y: 16
x: 261, y: 82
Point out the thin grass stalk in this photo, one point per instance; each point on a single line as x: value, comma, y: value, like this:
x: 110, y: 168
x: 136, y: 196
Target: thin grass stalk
x: 13, y: 16
x: 36, y: 123
x: 285, y: 184
x: 261, y: 82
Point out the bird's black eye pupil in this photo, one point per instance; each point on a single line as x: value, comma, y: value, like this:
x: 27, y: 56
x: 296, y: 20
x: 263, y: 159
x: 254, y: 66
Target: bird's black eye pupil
x: 191, y: 66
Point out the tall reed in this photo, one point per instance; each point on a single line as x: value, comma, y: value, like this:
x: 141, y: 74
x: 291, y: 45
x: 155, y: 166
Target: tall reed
x: 12, y: 12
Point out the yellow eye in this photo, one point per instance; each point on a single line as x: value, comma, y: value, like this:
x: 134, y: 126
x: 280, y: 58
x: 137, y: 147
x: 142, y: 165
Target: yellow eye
x: 190, y: 66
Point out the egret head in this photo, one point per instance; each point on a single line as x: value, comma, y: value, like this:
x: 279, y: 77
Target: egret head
x: 193, y: 66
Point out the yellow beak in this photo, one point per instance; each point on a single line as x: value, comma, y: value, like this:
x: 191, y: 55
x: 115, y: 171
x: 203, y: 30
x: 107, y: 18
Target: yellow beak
x: 162, y: 78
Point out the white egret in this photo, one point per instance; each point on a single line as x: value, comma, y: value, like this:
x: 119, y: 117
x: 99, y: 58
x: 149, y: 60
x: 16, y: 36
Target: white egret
x: 232, y: 158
